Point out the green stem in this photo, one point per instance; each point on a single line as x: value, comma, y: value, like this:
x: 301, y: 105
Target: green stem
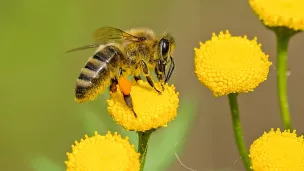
x: 282, y: 48
x: 237, y: 128
x: 143, y: 139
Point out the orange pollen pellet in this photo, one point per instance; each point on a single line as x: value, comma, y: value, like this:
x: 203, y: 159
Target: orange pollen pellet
x: 124, y: 85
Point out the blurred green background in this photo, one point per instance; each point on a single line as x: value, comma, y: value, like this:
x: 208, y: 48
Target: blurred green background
x: 40, y: 119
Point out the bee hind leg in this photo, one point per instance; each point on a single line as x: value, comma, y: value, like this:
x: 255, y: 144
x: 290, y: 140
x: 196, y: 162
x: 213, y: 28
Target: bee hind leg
x: 128, y: 100
x: 113, y: 86
x: 160, y: 71
x: 124, y: 88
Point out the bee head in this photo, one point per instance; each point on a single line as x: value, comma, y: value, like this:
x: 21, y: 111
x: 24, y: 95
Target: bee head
x: 166, y: 47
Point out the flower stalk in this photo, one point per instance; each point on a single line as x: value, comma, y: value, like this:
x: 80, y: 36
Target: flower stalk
x: 283, y: 36
x: 237, y: 128
x: 282, y: 46
x: 143, y: 141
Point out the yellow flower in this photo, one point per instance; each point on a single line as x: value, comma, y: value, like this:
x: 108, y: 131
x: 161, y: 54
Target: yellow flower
x: 275, y: 13
x: 227, y: 64
x: 278, y: 150
x: 153, y: 110
x: 103, y: 153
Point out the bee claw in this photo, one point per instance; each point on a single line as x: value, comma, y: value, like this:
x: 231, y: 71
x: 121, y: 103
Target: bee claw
x: 163, y: 87
x: 159, y: 92
x: 134, y: 113
x: 128, y: 100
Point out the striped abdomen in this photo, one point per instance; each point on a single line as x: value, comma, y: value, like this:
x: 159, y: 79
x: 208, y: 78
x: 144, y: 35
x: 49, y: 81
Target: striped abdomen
x: 97, y: 73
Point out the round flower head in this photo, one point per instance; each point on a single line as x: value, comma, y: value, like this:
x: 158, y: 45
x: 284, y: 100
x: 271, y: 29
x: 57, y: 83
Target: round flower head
x: 153, y: 110
x: 278, y: 150
x: 274, y: 13
x: 227, y: 64
x: 103, y: 153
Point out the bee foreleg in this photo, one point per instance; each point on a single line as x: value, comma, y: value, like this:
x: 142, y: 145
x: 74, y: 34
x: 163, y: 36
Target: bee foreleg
x: 160, y: 71
x: 150, y: 81
x: 171, y: 69
x: 160, y: 77
x: 148, y: 77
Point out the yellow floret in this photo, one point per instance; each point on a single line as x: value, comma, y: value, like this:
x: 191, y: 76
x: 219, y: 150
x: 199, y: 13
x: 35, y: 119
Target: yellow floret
x: 276, y: 150
x: 153, y: 110
x: 103, y: 153
x: 227, y: 64
x: 275, y: 13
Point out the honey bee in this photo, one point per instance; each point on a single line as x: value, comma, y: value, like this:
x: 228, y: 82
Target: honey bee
x: 121, y: 53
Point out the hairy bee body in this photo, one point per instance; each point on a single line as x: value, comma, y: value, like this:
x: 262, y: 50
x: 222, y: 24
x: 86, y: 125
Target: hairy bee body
x: 135, y: 52
x: 97, y: 73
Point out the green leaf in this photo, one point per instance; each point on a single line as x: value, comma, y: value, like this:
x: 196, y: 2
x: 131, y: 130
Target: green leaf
x: 102, y: 122
x: 165, y: 142
x: 95, y: 122
x: 42, y: 163
x: 132, y: 135
x: 96, y: 118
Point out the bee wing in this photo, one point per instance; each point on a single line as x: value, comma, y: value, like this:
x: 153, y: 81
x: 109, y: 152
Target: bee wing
x: 84, y: 47
x: 110, y: 34
x: 105, y: 35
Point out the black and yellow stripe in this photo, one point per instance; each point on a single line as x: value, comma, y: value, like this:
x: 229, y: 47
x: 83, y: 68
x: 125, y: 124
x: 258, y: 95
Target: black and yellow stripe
x: 97, y: 73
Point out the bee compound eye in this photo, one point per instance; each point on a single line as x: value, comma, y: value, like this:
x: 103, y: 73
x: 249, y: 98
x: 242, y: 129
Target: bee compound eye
x: 164, y: 46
